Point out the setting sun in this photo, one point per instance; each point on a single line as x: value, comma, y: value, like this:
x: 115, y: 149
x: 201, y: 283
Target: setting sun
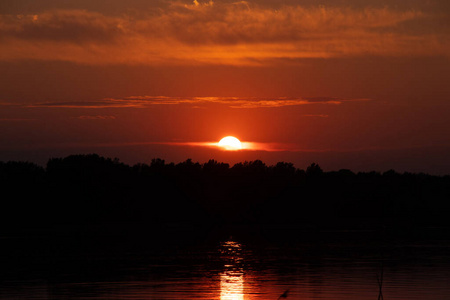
x: 230, y: 143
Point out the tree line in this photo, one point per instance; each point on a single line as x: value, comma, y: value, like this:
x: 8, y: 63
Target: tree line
x: 81, y: 191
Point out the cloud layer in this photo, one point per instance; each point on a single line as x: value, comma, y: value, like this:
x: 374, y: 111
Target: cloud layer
x: 232, y: 102
x: 219, y: 33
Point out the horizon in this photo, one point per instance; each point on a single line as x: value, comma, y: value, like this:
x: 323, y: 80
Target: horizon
x: 356, y: 161
x: 229, y: 165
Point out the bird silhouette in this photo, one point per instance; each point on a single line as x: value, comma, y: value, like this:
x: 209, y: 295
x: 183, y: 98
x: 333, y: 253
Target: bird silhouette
x: 284, y: 295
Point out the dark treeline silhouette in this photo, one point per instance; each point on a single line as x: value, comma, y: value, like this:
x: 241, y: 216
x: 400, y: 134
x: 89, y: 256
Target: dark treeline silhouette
x: 87, y: 192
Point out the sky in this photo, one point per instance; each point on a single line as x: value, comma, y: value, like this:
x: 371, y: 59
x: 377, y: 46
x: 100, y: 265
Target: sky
x: 347, y: 84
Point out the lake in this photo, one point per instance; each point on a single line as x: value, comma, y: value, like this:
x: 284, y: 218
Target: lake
x: 332, y: 265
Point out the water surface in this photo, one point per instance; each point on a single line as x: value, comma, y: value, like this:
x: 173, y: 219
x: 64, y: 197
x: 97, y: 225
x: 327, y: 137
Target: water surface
x: 236, y: 270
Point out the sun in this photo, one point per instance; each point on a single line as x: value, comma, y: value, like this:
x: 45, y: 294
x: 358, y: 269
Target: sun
x: 230, y: 143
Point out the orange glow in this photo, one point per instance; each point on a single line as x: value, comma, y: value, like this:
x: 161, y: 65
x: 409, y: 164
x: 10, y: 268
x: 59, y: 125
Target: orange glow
x: 186, y: 34
x: 230, y: 143
x: 231, y: 286
x: 232, y: 279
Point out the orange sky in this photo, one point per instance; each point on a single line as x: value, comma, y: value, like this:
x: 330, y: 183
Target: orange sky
x: 347, y: 83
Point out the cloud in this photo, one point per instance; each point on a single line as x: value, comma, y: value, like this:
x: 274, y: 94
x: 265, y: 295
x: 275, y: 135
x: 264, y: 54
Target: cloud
x: 90, y: 104
x: 234, y: 102
x: 16, y: 120
x: 246, y: 146
x: 74, y: 26
x: 98, y: 117
x: 197, y: 102
x: 317, y: 116
x: 9, y: 104
x: 240, y: 33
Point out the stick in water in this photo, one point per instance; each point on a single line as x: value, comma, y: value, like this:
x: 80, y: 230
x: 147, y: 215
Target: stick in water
x: 284, y: 295
x: 380, y: 285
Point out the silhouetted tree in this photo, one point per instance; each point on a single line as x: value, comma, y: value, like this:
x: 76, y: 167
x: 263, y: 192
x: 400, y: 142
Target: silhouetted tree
x: 212, y: 166
x: 157, y: 164
x: 284, y: 169
x: 188, y: 167
x: 90, y: 189
x: 314, y: 170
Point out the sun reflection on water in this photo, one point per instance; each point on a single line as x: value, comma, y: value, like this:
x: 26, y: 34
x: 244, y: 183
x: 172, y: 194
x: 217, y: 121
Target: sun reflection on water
x: 232, y: 278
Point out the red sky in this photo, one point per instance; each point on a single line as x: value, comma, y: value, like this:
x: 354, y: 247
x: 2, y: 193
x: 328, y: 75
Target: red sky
x: 347, y: 84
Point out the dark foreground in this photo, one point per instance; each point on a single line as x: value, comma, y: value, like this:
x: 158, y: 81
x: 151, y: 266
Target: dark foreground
x: 86, y: 190
x: 91, y: 227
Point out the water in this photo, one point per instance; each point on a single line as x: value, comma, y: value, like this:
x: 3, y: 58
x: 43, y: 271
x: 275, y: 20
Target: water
x: 235, y: 270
